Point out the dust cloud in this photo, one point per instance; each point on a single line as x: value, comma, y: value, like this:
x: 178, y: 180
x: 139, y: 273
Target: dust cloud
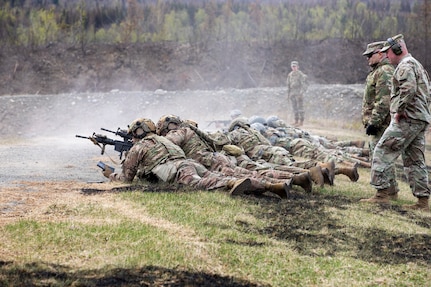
x: 65, y: 115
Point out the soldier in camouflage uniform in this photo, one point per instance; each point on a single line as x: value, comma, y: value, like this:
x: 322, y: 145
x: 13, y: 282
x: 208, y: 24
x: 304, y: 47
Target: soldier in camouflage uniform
x: 405, y: 135
x: 376, y: 100
x: 297, y: 85
x: 375, y: 104
x: 198, y: 145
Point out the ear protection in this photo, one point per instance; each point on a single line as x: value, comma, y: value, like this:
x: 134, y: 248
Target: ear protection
x: 395, y: 46
x: 139, y: 130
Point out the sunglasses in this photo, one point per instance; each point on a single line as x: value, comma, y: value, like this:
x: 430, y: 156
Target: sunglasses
x: 370, y: 55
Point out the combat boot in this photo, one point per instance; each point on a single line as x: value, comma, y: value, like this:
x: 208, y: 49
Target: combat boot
x: 239, y: 187
x: 330, y: 166
x: 422, y: 204
x: 393, y: 193
x: 280, y: 189
x: 304, y: 180
x: 317, y: 176
x: 381, y: 196
x: 350, y: 172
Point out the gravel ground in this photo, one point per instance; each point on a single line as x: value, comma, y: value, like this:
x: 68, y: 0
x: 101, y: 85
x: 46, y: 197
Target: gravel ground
x: 48, y: 159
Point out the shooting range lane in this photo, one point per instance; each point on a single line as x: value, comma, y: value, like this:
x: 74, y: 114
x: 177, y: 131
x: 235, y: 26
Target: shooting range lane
x: 49, y: 159
x: 38, y: 140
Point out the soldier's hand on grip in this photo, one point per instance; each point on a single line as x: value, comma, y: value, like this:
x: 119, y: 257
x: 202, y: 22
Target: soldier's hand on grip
x: 107, y: 171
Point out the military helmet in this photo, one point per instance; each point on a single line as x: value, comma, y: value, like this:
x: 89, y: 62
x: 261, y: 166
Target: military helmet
x: 140, y: 127
x: 275, y: 122
x: 235, y: 113
x: 259, y: 127
x: 239, y: 122
x: 164, y: 121
x: 257, y: 119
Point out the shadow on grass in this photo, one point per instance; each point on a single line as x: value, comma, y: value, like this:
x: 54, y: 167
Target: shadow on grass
x: 39, y: 274
x: 305, y: 221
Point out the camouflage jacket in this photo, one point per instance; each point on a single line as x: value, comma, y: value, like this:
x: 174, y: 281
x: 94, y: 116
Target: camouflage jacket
x: 192, y: 144
x: 248, y: 138
x: 377, y: 96
x: 297, y: 83
x: 188, y: 140
x: 147, y: 154
x: 411, y: 91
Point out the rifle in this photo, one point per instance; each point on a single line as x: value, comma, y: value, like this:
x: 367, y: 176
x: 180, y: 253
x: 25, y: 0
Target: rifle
x: 218, y: 123
x: 102, y: 141
x: 122, y: 133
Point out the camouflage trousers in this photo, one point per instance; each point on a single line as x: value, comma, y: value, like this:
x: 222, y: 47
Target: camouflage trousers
x: 192, y: 173
x: 374, y: 140
x: 406, y: 138
x: 306, y: 149
x: 221, y: 163
x: 297, y: 101
x: 280, y: 158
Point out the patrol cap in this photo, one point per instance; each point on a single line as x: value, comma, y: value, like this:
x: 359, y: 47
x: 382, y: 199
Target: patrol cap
x: 392, y: 41
x: 374, y: 47
x: 294, y: 63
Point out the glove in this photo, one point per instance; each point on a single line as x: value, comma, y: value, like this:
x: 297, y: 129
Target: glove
x: 372, y: 130
x: 107, y: 171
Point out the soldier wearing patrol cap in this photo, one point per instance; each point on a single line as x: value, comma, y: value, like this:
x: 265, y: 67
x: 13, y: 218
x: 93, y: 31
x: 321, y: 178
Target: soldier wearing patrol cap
x: 297, y: 85
x: 405, y: 135
x: 376, y: 99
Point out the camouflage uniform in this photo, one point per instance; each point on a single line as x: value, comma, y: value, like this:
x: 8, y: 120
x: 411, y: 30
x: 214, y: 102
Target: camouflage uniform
x: 304, y: 146
x: 297, y: 85
x: 257, y: 147
x: 195, y: 146
x: 410, y: 96
x: 276, y: 131
x: 156, y: 155
x: 376, y: 100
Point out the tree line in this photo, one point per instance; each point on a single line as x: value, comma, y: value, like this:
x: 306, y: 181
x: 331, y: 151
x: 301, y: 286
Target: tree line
x: 36, y: 23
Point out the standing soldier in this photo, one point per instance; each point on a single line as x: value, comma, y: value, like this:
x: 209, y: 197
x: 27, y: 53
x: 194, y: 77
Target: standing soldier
x: 405, y: 135
x: 376, y: 100
x: 297, y: 85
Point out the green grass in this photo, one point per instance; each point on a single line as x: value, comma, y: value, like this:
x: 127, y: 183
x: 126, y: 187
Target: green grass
x: 204, y: 238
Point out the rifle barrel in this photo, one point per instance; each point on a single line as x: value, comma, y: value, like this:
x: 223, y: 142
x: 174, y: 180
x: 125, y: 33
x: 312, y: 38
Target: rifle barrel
x: 83, y: 137
x: 106, y: 130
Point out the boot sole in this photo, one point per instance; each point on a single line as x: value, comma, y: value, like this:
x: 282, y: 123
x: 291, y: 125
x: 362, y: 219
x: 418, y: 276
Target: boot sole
x: 241, y: 187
